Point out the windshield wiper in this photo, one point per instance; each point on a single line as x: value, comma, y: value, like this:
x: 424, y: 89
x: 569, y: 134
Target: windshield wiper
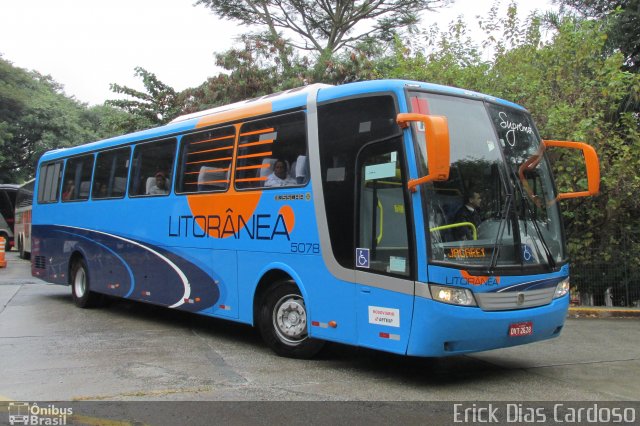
x: 501, y: 227
x: 547, y: 252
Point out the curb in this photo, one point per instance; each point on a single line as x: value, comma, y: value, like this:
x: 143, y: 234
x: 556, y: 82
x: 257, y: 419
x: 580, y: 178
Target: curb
x: 604, y: 312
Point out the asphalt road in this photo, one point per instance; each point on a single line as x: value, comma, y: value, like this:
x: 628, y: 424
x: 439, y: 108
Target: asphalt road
x: 51, y: 350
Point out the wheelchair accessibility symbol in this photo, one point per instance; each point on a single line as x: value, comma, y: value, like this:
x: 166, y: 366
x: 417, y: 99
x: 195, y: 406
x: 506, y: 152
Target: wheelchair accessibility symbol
x: 362, y: 258
x: 527, y: 255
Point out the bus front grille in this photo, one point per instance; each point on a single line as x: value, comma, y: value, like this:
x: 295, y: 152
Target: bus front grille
x: 515, y: 299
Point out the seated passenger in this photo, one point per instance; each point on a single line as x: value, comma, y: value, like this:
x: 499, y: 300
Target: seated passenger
x: 279, y: 177
x: 68, y: 192
x: 160, y: 185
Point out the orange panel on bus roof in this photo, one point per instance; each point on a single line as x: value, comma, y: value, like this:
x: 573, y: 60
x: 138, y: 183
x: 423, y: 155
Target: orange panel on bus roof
x: 235, y: 114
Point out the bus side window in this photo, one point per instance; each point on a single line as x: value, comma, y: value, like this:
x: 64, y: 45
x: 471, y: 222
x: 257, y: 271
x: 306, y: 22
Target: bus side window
x: 77, y: 178
x: 205, y: 160
x: 110, y: 177
x: 152, y: 161
x: 49, y: 182
x: 266, y: 144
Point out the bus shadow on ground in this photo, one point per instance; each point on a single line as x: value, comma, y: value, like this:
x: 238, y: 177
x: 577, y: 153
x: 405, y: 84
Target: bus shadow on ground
x: 414, y: 370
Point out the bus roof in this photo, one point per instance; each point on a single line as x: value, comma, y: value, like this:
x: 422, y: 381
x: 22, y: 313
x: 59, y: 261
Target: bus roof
x: 289, y: 99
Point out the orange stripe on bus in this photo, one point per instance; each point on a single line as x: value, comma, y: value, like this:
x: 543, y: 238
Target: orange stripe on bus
x: 259, y: 166
x: 259, y: 154
x: 258, y: 132
x: 210, y: 161
x: 215, y: 171
x: 236, y: 114
x: 214, y: 139
x: 264, y: 142
x: 208, y: 171
x: 224, y: 148
x: 251, y: 179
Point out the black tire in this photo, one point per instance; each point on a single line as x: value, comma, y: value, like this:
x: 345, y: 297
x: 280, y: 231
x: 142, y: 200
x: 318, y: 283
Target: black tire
x: 83, y: 297
x: 287, y: 335
x: 23, y: 254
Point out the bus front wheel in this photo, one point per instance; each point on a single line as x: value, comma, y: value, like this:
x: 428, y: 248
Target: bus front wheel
x: 283, y: 322
x: 83, y: 297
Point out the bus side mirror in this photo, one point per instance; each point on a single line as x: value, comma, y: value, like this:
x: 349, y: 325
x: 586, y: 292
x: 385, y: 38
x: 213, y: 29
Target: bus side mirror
x: 438, y: 148
x: 592, y: 165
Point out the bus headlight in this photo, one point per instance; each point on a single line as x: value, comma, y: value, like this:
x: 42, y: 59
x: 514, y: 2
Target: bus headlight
x: 562, y: 288
x: 452, y: 295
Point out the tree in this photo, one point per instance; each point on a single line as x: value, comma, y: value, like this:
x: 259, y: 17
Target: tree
x: 35, y: 116
x: 159, y: 104
x: 623, y: 17
x: 252, y: 70
x: 322, y: 26
x: 573, y: 85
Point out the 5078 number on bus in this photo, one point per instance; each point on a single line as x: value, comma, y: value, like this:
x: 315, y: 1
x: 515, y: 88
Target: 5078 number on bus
x: 305, y: 248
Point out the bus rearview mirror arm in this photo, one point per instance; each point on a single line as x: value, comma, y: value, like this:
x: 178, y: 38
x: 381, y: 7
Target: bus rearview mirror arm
x: 436, y: 130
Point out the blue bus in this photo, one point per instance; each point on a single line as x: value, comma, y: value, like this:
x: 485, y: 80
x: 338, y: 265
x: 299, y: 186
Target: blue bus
x: 396, y: 215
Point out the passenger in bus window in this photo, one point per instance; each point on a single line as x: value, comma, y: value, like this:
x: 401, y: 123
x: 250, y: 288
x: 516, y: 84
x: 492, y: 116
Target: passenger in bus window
x: 470, y: 213
x: 279, y: 177
x: 159, y: 187
x: 68, y: 192
x: 102, y: 190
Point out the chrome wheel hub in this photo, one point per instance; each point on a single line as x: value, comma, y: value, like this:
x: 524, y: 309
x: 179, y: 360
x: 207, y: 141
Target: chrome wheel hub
x: 290, y: 319
x: 80, y: 282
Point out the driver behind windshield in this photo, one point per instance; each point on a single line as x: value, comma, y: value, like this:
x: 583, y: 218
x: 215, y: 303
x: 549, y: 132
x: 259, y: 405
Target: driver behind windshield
x: 469, y: 212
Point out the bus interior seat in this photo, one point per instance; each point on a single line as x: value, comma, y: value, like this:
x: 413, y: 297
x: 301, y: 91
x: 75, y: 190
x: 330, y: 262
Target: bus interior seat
x: 208, y: 174
x: 150, y: 182
x: 119, y: 186
x: 84, y: 190
x: 300, y: 169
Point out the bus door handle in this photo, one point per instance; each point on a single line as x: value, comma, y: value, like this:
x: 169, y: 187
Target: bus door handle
x: 366, y: 290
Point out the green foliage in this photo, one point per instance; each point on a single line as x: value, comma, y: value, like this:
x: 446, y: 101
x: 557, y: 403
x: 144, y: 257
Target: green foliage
x: 254, y: 69
x: 623, y: 24
x: 35, y: 116
x: 576, y: 89
x: 157, y: 105
x: 324, y: 27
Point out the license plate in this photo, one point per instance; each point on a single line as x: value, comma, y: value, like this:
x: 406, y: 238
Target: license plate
x: 521, y: 329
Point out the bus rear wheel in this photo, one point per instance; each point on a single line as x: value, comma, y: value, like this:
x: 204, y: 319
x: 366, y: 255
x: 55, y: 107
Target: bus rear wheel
x: 83, y: 297
x: 23, y: 254
x: 283, y: 322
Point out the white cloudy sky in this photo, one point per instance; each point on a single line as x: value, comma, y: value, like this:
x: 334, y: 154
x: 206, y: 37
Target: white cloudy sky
x: 87, y: 44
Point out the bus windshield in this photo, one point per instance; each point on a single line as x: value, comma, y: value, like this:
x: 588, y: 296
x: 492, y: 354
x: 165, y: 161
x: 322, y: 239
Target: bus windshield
x: 498, y: 208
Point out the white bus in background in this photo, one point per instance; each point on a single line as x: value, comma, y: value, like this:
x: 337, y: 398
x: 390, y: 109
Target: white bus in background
x: 22, y: 229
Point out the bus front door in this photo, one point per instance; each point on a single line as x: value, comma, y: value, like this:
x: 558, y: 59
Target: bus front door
x: 383, y: 257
